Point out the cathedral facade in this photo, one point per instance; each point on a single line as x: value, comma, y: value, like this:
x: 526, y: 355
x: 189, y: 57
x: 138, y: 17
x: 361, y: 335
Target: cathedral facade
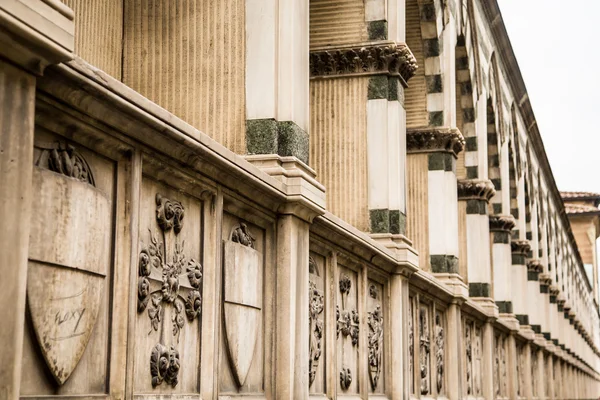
x: 283, y: 199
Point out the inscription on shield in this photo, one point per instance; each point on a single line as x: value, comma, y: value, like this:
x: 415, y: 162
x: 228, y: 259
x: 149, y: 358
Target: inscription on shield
x: 68, y: 259
x: 242, y: 300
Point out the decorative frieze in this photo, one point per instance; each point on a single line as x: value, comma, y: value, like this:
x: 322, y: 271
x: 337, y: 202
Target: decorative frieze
x: 427, y: 140
x: 475, y: 189
x: 391, y: 59
x: 316, y: 305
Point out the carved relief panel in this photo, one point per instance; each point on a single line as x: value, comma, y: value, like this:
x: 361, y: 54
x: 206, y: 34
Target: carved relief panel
x: 241, y: 364
x: 169, y: 291
x: 520, y: 371
x: 500, y: 367
x: 375, y: 340
x: 316, y: 304
x: 66, y: 342
x: 426, y: 347
x: 473, y: 342
x: 348, y: 330
x: 534, y: 368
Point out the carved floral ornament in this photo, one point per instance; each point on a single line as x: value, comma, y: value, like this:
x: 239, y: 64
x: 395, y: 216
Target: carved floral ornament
x: 62, y: 158
x: 163, y: 280
x: 316, y: 306
x: 502, y: 223
x: 392, y: 59
x: 535, y: 265
x: 427, y: 140
x: 347, y: 322
x: 476, y: 189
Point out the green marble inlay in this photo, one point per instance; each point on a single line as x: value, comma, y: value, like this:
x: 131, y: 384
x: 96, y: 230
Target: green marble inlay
x: 378, y: 87
x: 444, y: 264
x: 505, y: 307
x: 380, y: 220
x: 477, y: 289
x: 378, y: 30
x: 267, y: 136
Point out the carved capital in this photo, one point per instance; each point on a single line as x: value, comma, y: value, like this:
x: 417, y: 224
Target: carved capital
x: 479, y: 189
x: 520, y: 246
x: 388, y: 58
x: 501, y: 223
x: 425, y: 140
x: 535, y: 266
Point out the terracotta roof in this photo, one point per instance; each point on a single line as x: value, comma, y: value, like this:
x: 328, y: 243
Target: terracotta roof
x: 581, y: 209
x: 579, y: 195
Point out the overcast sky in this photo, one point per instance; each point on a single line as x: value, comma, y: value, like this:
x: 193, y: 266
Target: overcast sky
x: 556, y: 44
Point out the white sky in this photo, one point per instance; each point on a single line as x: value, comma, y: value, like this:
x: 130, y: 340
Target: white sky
x: 556, y: 44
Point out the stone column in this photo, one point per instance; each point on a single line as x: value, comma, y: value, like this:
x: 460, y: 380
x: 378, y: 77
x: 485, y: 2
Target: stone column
x: 533, y: 296
x: 540, y: 377
x: 277, y: 74
x: 487, y: 369
x: 25, y: 51
x: 399, y: 337
x: 438, y: 147
x: 454, y: 340
x: 500, y: 231
x: 519, y: 251
x: 474, y: 195
x: 305, y: 200
x: 513, y: 376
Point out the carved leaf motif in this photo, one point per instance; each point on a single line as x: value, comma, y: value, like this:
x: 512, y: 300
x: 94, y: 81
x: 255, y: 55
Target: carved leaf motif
x: 62, y: 158
x: 345, y: 378
x: 439, y: 352
x: 193, y: 305
x: 375, y: 339
x: 164, y: 365
x: 316, y: 305
x: 169, y: 214
x: 242, y: 235
x: 424, y: 350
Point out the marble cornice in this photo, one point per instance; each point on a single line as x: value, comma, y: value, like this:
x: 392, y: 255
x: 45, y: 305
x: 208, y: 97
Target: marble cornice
x: 501, y: 223
x: 428, y: 140
x: 520, y: 246
x: 369, y: 59
x: 478, y: 189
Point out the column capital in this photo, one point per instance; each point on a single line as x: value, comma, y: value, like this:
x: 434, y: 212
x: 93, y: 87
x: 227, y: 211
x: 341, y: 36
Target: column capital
x: 390, y: 58
x: 520, y: 247
x: 430, y: 140
x: 501, y: 223
x: 37, y: 33
x: 475, y: 189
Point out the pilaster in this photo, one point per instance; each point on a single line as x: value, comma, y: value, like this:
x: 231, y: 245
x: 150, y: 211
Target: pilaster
x: 399, y: 337
x: 33, y: 35
x: 305, y: 199
x: 500, y: 232
x: 455, y: 346
x: 277, y: 77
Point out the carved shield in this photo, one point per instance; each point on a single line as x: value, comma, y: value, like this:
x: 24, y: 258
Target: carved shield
x: 68, y: 257
x: 242, y: 305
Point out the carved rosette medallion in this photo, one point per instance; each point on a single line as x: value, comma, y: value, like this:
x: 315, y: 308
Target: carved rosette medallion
x: 316, y: 306
x: 242, y: 299
x: 169, y: 286
x: 68, y: 255
x: 375, y: 340
x: 424, y: 350
x: 439, y: 352
x: 347, y: 322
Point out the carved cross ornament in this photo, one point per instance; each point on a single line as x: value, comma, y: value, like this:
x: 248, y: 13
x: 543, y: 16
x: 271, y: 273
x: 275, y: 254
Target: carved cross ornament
x: 348, y: 325
x: 169, y: 286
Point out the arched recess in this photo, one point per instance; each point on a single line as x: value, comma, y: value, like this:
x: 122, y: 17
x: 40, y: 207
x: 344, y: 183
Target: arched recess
x: 424, y: 25
x: 514, y: 170
x: 468, y: 160
x: 528, y: 177
x: 495, y: 136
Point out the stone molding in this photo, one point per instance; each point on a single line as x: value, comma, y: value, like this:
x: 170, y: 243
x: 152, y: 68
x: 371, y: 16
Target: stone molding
x: 535, y: 266
x: 35, y: 45
x: 387, y: 58
x: 501, y: 223
x: 477, y: 189
x: 520, y: 247
x: 427, y: 140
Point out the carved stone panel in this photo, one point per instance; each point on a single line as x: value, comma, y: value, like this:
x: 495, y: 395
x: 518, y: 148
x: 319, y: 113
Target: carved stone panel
x: 500, y: 367
x: 348, y: 330
x: 65, y: 349
x: 440, y: 338
x: 411, y: 344
x: 68, y: 257
x: 316, y: 299
x: 468, y: 329
x: 241, y: 339
x: 424, y: 349
x: 375, y: 336
x: 477, y: 361
x: 169, y: 292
